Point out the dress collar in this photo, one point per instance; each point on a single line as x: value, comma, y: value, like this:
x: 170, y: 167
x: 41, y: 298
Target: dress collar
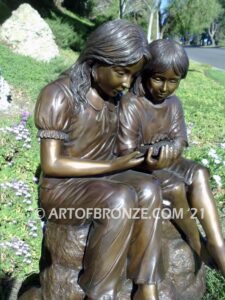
x: 97, y: 102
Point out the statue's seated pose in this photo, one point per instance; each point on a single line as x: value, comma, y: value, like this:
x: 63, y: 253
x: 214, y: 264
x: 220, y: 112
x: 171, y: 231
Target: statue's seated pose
x: 151, y: 113
x: 77, y: 118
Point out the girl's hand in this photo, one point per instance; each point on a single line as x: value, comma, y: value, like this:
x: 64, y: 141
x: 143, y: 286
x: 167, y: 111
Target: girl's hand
x: 168, y: 154
x: 126, y: 162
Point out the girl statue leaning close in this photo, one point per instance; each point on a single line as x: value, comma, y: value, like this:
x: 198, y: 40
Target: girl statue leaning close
x: 152, y: 113
x: 77, y: 118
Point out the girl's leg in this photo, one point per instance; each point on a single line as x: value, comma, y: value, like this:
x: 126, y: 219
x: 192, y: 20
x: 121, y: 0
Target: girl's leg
x: 109, y: 238
x: 201, y: 198
x: 145, y: 267
x: 176, y: 194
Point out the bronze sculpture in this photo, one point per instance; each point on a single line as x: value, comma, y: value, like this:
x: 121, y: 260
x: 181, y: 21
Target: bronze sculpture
x: 77, y: 118
x: 151, y: 113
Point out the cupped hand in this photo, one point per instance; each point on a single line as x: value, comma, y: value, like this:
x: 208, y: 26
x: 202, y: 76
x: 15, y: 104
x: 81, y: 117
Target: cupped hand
x: 168, y: 154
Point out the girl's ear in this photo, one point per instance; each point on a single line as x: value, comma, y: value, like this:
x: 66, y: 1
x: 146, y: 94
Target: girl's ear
x: 94, y: 73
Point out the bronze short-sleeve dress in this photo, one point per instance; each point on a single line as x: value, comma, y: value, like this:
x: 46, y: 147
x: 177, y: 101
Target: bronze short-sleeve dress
x: 89, y: 132
x: 141, y: 121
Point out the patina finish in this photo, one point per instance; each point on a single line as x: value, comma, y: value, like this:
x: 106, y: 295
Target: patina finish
x: 151, y: 113
x: 77, y: 119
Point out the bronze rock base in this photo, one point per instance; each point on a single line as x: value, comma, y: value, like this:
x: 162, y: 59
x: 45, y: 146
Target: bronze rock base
x: 61, y: 262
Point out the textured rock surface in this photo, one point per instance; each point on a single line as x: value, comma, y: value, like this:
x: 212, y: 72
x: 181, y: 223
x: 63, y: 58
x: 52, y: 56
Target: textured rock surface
x: 28, y: 34
x: 184, y: 276
x: 5, y: 94
x: 61, y: 263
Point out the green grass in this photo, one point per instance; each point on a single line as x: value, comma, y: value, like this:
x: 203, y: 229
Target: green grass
x: 215, y: 286
x: 217, y: 75
x: 28, y: 74
x: 202, y: 94
x: 203, y: 101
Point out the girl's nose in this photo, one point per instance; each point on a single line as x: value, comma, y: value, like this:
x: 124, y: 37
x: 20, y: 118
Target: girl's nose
x: 126, y: 82
x: 164, y: 86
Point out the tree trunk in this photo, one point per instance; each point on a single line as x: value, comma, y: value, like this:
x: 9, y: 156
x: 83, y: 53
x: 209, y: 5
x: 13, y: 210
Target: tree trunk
x: 212, y: 40
x: 122, y: 8
x: 186, y: 39
x: 157, y: 25
x: 162, y: 31
x: 58, y: 3
x: 212, y: 31
x: 150, y: 22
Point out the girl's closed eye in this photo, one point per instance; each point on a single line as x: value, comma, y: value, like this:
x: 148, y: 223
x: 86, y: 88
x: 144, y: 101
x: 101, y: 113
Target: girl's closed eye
x: 119, y: 72
x: 174, y: 81
x: 157, y: 79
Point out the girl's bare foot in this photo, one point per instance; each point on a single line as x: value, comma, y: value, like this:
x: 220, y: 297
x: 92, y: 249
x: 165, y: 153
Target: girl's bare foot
x: 146, y: 292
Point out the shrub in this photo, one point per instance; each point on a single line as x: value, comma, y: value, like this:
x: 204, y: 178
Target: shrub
x: 4, y: 12
x: 19, y: 161
x: 64, y: 33
x: 215, y: 286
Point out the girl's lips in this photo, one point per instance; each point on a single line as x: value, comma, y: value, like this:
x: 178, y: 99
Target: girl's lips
x: 160, y: 96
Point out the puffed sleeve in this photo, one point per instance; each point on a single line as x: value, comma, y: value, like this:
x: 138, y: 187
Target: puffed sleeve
x: 128, y: 125
x: 178, y: 128
x: 52, y: 113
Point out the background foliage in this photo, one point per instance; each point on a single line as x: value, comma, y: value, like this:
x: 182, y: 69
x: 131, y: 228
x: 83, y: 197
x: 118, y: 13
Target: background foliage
x: 186, y: 19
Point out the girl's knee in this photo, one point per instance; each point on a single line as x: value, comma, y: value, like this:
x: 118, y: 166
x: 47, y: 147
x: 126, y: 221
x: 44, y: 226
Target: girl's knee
x: 150, y: 193
x: 175, y: 193
x: 123, y: 197
x: 179, y: 189
x: 201, y: 173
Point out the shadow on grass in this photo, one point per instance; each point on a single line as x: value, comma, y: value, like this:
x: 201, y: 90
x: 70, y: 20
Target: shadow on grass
x: 11, y: 288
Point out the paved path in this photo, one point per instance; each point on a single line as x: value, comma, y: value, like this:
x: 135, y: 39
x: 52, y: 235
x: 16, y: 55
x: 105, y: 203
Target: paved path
x: 211, y: 56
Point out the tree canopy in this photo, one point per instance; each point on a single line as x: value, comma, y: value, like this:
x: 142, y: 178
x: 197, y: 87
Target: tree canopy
x: 180, y: 18
x: 190, y: 17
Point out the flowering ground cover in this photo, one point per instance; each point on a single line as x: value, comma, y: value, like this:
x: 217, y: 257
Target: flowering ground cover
x: 21, y: 227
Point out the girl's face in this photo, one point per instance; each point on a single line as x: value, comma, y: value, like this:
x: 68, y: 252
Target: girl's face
x: 162, y: 85
x: 112, y: 80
